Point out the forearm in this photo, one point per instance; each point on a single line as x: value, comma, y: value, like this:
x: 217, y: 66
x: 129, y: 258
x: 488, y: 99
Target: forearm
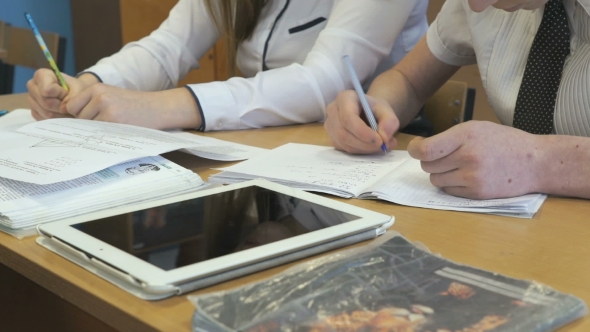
x: 563, y: 165
x: 177, y: 109
x: 394, y: 87
x: 408, y: 85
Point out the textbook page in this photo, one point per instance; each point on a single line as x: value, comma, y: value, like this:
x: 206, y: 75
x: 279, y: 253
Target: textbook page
x: 205, y: 147
x: 316, y: 168
x: 25, y: 204
x: 55, y: 150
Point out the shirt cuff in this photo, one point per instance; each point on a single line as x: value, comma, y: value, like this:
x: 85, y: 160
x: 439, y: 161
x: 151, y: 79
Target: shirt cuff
x: 108, y: 74
x: 217, y: 105
x: 203, y: 126
x: 91, y: 73
x: 441, y: 52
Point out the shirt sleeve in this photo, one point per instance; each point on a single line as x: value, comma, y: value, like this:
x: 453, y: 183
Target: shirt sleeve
x: 160, y: 60
x: 449, y: 36
x: 365, y: 30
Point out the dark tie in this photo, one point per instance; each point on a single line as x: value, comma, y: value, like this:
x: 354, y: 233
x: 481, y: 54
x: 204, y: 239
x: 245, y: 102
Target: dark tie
x: 535, y: 103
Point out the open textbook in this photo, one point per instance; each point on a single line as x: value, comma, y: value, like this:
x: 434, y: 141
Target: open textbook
x: 394, y: 177
x: 388, y: 285
x: 54, y: 150
x: 23, y: 205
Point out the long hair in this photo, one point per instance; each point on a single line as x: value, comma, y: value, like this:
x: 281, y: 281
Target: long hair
x: 236, y: 20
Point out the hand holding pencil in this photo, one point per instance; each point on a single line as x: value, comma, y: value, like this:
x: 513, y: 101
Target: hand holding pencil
x: 48, y: 89
x: 46, y: 52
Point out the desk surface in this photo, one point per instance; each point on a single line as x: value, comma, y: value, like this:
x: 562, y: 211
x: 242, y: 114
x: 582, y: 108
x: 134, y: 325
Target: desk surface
x: 551, y: 248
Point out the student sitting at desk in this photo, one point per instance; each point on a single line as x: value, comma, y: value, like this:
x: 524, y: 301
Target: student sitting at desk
x: 534, y: 59
x: 288, y: 50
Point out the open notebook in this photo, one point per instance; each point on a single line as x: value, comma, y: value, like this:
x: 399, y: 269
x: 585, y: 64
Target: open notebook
x: 394, y: 177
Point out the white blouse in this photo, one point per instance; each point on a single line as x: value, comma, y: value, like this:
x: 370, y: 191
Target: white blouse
x: 499, y: 42
x: 292, y: 64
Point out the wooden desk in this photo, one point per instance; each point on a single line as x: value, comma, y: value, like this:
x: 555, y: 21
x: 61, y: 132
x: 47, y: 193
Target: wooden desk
x: 552, y: 248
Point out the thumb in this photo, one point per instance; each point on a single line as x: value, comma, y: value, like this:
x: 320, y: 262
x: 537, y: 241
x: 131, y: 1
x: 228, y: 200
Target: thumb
x: 75, y: 87
x: 436, y: 147
x: 387, y: 121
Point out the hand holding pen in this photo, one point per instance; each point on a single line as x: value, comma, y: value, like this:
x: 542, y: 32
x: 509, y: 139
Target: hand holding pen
x: 364, y: 103
x: 348, y: 131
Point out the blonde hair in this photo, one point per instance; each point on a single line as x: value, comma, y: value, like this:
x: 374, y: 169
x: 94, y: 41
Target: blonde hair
x: 236, y: 20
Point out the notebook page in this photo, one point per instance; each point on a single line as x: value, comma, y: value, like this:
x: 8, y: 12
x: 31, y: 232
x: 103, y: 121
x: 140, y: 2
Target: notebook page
x: 408, y: 184
x: 319, y: 166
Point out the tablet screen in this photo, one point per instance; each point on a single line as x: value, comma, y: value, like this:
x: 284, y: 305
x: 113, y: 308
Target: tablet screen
x: 187, y: 232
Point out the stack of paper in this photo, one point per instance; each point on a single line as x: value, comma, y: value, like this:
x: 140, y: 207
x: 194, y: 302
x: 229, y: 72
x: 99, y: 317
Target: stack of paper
x: 59, y: 168
x: 24, y: 205
x: 54, y: 150
x: 394, y: 177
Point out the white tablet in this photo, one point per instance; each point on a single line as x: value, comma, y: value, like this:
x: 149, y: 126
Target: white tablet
x: 171, y: 246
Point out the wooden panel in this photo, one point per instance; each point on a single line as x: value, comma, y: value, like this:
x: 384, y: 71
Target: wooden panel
x: 140, y: 17
x: 446, y: 108
x: 27, y: 306
x: 2, y: 39
x: 97, y: 30
x: 22, y: 49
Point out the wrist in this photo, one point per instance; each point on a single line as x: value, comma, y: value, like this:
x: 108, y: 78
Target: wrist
x: 546, y: 164
x: 179, y: 109
x: 88, y: 79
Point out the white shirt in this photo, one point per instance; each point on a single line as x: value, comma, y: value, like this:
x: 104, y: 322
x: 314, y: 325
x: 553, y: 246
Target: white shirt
x: 306, y: 70
x: 499, y: 42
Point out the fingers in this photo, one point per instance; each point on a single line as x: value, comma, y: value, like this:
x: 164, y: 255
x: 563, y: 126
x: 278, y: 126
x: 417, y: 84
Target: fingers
x: 77, y: 104
x: 459, y: 183
x: 350, y: 133
x: 46, y: 92
x: 453, y: 178
x: 91, y: 111
x: 438, y: 146
x: 361, y: 137
x: 442, y: 165
x: 48, y: 85
x: 47, y: 104
x: 39, y: 113
x: 388, y: 123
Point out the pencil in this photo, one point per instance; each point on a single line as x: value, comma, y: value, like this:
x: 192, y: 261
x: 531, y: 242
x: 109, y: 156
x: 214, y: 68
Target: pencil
x: 364, y: 103
x: 45, y: 50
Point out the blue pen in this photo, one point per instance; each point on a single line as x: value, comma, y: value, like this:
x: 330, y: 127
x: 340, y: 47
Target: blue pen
x: 364, y: 103
x: 3, y: 112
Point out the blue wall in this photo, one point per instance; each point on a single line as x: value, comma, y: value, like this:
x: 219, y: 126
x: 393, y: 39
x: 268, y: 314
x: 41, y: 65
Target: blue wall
x: 49, y: 15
